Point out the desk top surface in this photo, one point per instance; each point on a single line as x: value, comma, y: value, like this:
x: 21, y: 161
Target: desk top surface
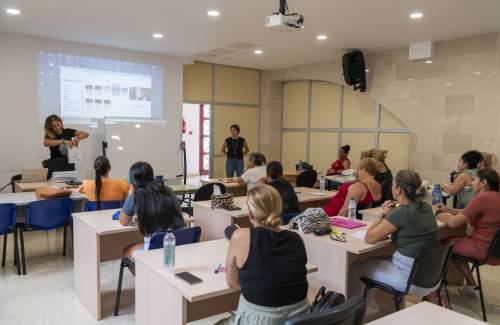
x: 181, y: 188
x: 425, y: 313
x: 102, y: 222
x: 239, y: 201
x: 306, y: 194
x: 26, y: 187
x: 23, y: 198
x: 223, y: 181
x: 200, y: 259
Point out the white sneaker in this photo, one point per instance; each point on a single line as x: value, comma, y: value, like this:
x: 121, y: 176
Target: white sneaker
x: 469, y: 290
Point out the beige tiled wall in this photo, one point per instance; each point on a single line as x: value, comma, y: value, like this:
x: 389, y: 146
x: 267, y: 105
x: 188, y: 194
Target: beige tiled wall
x: 450, y: 105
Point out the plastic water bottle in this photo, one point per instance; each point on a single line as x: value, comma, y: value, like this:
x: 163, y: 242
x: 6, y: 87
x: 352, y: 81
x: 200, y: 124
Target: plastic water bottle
x: 169, y: 252
x: 352, y: 209
x: 436, y: 194
x: 322, y: 181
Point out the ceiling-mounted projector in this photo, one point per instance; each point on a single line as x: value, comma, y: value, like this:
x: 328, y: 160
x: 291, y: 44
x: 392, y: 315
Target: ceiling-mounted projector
x: 284, y: 20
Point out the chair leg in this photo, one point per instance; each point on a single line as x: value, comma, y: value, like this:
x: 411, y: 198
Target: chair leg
x: 397, y: 302
x: 365, y: 292
x: 65, y: 234
x: 4, y: 249
x: 119, y: 289
x: 16, y: 252
x: 23, y: 258
x: 438, y: 292
x: 481, y: 293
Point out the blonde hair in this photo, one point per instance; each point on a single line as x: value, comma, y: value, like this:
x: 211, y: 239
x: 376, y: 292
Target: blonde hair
x: 377, y: 154
x: 368, y: 164
x: 489, y: 159
x: 264, y: 202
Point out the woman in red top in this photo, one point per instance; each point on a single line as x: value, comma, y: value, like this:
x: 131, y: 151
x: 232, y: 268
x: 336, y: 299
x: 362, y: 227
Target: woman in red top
x: 365, y: 191
x: 482, y: 213
x: 342, y: 163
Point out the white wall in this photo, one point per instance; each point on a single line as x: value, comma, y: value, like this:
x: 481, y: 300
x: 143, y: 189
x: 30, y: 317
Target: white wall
x: 21, y: 135
x: 191, y: 114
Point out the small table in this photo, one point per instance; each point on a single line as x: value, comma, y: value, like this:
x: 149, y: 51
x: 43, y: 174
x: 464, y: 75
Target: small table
x: 30, y: 187
x: 98, y: 238
x: 162, y: 298
x: 233, y: 188
x: 425, y: 313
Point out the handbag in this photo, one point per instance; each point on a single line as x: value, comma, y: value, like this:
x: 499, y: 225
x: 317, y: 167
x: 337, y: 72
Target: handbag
x: 325, y: 300
x: 221, y: 201
x: 52, y: 192
x: 310, y: 220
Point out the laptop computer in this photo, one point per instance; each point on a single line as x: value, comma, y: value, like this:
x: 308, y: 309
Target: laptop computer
x: 34, y: 175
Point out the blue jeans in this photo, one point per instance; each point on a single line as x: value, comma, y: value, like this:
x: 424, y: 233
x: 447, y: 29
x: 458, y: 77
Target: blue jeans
x: 233, y: 165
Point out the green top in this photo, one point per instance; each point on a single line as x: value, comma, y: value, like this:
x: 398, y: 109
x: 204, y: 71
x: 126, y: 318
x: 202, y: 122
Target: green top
x: 466, y: 193
x: 417, y: 228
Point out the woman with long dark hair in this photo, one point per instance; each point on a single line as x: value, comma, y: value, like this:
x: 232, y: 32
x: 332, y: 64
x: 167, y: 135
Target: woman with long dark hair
x: 58, y: 138
x: 103, y: 188
x: 155, y: 205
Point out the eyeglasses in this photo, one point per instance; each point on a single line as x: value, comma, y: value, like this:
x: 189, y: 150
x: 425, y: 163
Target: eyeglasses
x: 338, y: 235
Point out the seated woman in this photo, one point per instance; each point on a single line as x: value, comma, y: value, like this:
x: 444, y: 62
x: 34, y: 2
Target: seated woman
x: 365, y: 191
x: 482, y: 213
x: 267, y: 263
x: 489, y: 160
x: 288, y: 197
x: 255, y: 173
x: 412, y: 227
x: 342, y: 163
x: 467, y: 168
x: 383, y: 173
x: 103, y: 188
x: 155, y: 205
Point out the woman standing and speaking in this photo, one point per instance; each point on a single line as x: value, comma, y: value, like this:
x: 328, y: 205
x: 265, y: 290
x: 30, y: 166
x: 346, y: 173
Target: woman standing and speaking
x: 235, y: 147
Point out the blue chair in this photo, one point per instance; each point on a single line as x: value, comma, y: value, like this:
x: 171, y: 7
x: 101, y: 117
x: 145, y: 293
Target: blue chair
x: 183, y: 236
x: 8, y: 225
x: 105, y: 205
x: 288, y: 217
x: 46, y: 215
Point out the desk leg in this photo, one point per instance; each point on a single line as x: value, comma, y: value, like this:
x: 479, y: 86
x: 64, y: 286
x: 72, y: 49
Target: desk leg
x: 212, y: 223
x: 156, y: 301
x: 87, y: 268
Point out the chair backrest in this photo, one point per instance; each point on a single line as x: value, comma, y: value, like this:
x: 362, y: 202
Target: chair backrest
x: 105, y: 205
x: 48, y: 214
x: 307, y: 178
x: 205, y: 192
x: 361, y: 207
x: 429, y: 267
x: 494, y: 250
x: 7, y: 217
x: 182, y: 237
x: 13, y: 179
x: 351, y: 312
x: 289, y: 216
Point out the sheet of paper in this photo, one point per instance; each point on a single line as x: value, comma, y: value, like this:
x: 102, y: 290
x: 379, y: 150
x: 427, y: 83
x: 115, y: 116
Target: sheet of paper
x: 359, y: 234
x: 74, y: 155
x: 317, y: 193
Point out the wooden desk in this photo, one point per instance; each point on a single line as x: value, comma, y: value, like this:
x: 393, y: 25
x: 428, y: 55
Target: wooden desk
x: 22, y: 199
x: 428, y: 314
x: 234, y: 188
x: 340, y: 178
x: 313, y: 198
x: 30, y: 187
x: 334, y: 259
x: 214, y: 221
x: 184, y: 189
x: 98, y: 238
x: 291, y: 175
x: 161, y: 298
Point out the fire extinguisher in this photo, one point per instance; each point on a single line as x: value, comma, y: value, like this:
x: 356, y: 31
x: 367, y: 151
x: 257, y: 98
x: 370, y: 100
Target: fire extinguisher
x: 183, y: 125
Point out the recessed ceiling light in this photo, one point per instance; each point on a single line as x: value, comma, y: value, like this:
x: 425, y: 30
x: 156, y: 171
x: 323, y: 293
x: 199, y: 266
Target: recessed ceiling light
x: 410, y: 79
x: 428, y: 61
x: 367, y: 70
x: 213, y: 13
x: 477, y: 73
x: 119, y: 148
x: 321, y: 37
x: 115, y: 137
x: 447, y: 84
x: 258, y: 52
x: 416, y: 15
x: 157, y: 35
x: 12, y: 11
x: 137, y: 126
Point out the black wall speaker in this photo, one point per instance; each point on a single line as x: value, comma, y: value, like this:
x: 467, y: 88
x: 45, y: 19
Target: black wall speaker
x: 353, y: 64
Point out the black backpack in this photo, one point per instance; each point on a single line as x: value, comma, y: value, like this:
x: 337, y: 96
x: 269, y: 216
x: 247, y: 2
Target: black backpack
x: 325, y: 300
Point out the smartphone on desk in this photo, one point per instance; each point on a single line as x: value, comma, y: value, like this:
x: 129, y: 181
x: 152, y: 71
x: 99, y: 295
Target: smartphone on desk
x: 188, y: 277
x: 233, y: 208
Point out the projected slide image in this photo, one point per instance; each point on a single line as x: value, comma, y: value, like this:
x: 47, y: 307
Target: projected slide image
x: 98, y: 94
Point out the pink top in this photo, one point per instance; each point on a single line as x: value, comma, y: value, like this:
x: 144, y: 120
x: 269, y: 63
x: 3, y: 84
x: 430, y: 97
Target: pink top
x: 337, y: 202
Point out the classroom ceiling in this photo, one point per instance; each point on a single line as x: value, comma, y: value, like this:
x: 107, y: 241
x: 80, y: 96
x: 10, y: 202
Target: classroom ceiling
x: 370, y: 25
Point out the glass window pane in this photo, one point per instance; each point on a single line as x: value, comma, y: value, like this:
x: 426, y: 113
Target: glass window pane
x: 389, y: 120
x: 358, y: 142
x: 295, y: 100
x: 398, y: 148
x: 293, y: 149
x: 325, y: 100
x: 359, y: 110
x: 323, y: 150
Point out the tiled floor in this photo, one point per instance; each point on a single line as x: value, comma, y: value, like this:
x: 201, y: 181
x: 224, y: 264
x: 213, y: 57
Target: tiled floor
x: 45, y: 295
